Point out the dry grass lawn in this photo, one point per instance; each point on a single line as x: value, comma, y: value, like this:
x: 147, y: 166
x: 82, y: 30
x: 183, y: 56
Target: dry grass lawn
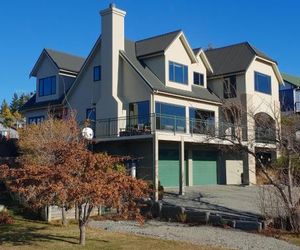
x: 29, y: 234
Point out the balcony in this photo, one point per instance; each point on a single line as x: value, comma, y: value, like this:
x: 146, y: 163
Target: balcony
x: 145, y: 126
x: 130, y: 126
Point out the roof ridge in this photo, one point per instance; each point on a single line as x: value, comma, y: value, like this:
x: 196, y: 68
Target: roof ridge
x: 197, y: 48
x: 292, y: 75
x: 227, y: 46
x: 165, y: 34
x: 62, y: 52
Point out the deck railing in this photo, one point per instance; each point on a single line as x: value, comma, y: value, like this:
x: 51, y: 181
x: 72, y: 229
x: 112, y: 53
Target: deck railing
x: 147, y: 124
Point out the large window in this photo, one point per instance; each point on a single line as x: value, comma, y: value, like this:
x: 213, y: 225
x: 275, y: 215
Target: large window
x: 202, y: 121
x: 297, y: 100
x: 262, y: 83
x: 170, y: 117
x: 265, y: 128
x: 139, y: 112
x: 198, y: 79
x: 91, y: 114
x: 229, y: 87
x: 286, y: 98
x: 36, y: 119
x: 178, y: 73
x: 47, y: 86
x: 97, y: 73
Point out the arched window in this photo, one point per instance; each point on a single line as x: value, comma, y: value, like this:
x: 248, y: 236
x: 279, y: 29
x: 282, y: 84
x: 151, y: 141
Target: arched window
x: 265, y: 128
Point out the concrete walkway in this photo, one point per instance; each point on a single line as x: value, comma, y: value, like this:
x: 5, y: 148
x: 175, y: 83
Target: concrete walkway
x: 237, y: 200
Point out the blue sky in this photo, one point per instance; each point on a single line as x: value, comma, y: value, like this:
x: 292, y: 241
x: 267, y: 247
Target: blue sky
x: 26, y: 27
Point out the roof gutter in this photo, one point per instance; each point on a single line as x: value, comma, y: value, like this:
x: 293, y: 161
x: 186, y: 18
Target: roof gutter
x: 41, y: 107
x: 185, y: 97
x: 226, y: 75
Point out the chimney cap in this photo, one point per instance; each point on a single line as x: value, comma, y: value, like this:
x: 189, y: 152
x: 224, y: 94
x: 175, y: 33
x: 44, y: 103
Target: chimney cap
x: 112, y: 5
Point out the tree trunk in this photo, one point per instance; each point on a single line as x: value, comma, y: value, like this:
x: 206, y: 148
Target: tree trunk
x: 64, y: 216
x: 82, y: 234
x: 290, y: 179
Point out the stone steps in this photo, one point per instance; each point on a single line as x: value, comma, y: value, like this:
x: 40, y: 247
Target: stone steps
x: 186, y: 215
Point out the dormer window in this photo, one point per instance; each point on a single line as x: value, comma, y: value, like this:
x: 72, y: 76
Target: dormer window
x: 198, y: 79
x: 47, y: 86
x: 178, y: 73
x: 97, y: 73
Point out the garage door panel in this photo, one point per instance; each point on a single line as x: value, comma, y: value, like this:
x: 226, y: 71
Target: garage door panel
x: 168, y: 168
x: 204, y: 168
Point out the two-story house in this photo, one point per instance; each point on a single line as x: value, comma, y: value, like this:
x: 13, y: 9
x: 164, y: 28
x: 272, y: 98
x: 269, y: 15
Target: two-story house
x: 289, y: 94
x: 158, y: 100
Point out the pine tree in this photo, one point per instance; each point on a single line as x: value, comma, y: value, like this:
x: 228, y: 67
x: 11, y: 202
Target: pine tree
x: 14, y: 105
x: 23, y: 99
x: 4, y: 105
x: 6, y: 114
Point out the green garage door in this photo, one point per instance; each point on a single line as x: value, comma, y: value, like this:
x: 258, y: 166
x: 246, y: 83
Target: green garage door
x: 204, y: 168
x: 169, y: 167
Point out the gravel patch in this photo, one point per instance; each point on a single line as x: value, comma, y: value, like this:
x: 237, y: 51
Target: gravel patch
x: 202, y: 235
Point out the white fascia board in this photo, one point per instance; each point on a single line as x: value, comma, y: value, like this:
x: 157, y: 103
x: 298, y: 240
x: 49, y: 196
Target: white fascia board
x: 204, y: 59
x: 38, y: 62
x: 87, y: 60
x: 275, y: 68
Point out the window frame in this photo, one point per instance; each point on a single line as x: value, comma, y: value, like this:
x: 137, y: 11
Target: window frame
x: 88, y: 111
x: 172, y: 73
x: 98, y: 77
x: 36, y: 119
x: 176, y: 120
x: 41, y: 86
x: 256, y: 85
x: 231, y: 87
x: 201, y: 77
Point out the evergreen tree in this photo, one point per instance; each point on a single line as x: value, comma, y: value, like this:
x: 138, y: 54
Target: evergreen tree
x: 14, y: 105
x: 6, y: 114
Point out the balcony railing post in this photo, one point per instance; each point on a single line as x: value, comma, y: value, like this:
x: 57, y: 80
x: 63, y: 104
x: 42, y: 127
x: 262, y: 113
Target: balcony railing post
x: 174, y: 124
x: 154, y: 122
x: 109, y: 128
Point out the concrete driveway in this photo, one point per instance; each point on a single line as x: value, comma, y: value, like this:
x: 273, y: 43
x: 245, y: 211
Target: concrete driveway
x: 233, y: 200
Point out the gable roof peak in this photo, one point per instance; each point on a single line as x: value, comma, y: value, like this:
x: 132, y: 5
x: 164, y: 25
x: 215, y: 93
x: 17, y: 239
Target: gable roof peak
x: 62, y: 60
x: 228, y: 46
x: 156, y: 44
x: 160, y: 35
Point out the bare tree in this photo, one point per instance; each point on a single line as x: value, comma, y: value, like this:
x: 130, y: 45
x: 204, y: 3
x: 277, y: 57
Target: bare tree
x: 245, y: 129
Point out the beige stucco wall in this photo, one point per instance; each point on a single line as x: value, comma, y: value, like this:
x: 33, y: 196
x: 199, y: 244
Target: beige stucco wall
x: 86, y: 92
x: 177, y: 53
x: 46, y: 69
x: 260, y: 102
x: 216, y: 85
x: 131, y: 87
